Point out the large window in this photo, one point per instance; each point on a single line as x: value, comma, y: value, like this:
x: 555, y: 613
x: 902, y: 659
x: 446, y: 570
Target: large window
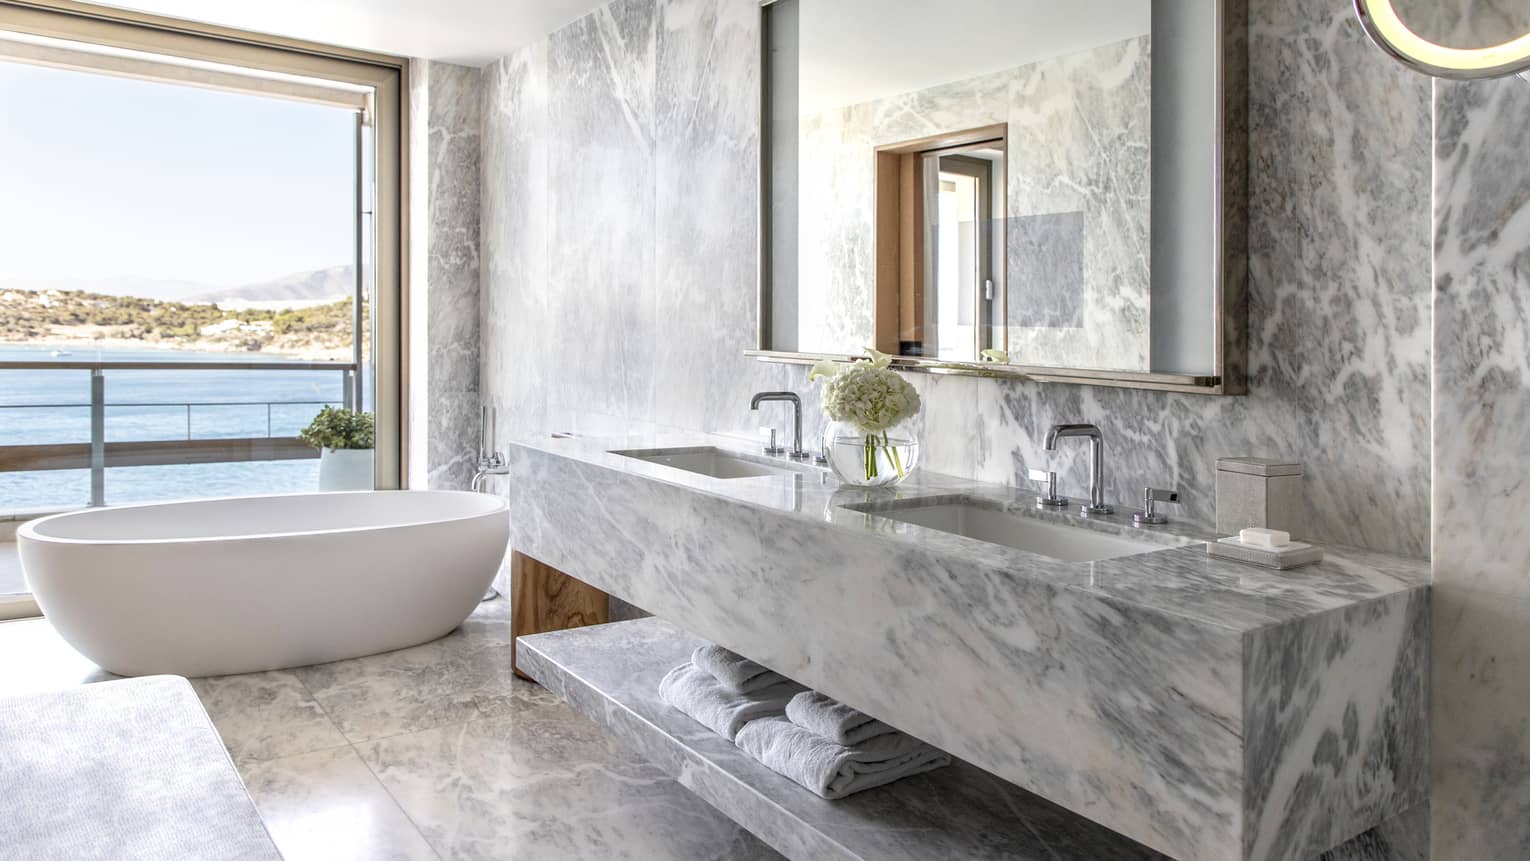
x: 198, y: 251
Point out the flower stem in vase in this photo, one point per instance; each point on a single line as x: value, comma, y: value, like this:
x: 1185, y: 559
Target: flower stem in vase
x: 897, y: 459
x: 871, y: 456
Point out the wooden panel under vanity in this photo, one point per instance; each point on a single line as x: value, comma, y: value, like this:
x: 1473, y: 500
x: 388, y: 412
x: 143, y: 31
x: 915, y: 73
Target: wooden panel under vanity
x: 542, y: 598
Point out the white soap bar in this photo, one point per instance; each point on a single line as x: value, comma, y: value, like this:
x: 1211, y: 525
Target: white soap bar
x: 1260, y: 537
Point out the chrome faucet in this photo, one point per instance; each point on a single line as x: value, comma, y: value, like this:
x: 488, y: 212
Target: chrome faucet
x: 490, y: 462
x: 790, y: 397
x: 494, y: 465
x: 1096, y: 503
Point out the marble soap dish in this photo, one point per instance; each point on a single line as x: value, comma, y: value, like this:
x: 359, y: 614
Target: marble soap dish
x: 1283, y: 555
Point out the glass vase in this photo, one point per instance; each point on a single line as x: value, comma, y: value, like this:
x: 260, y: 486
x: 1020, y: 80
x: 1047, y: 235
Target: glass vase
x: 871, y: 459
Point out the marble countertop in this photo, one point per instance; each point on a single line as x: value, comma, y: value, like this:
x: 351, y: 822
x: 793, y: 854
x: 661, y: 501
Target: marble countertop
x: 1181, y: 579
x: 1185, y: 700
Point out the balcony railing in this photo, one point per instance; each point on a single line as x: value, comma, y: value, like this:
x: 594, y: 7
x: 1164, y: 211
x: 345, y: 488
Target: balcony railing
x: 99, y: 454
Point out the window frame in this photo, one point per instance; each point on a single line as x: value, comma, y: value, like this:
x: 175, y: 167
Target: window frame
x: 388, y: 78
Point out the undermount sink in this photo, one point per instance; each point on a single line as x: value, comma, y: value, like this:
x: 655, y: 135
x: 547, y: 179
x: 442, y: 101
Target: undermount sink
x: 1031, y: 534
x: 711, y: 461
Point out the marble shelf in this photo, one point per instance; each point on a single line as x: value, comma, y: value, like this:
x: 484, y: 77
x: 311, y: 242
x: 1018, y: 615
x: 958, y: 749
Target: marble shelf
x: 610, y: 673
x: 1208, y: 709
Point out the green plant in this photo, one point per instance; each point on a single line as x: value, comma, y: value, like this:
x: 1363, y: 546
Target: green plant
x: 337, y: 428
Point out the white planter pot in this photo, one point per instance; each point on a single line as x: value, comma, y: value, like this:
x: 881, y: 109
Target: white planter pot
x: 345, y: 469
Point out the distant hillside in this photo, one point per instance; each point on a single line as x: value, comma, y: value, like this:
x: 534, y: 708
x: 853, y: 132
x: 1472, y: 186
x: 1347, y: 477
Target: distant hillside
x: 316, y: 287
x: 152, y: 288
x: 116, y: 322
x: 322, y: 285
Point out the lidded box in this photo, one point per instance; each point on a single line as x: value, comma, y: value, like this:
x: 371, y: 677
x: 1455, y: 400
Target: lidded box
x: 1258, y: 491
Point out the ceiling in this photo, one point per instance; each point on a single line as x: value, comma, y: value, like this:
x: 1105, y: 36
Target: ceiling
x: 471, y: 32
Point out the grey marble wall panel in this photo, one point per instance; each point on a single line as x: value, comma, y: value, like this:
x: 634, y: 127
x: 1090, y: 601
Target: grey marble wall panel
x: 600, y: 212
x: 1081, y: 141
x: 1046, y: 271
x: 445, y: 105
x: 706, y: 227
x: 523, y: 351
x: 620, y: 230
x: 1480, y: 718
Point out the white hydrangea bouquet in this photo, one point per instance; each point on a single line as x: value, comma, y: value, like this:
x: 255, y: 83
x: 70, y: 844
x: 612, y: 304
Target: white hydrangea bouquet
x: 868, y: 402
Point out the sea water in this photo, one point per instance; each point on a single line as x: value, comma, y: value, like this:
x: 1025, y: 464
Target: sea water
x: 42, y: 406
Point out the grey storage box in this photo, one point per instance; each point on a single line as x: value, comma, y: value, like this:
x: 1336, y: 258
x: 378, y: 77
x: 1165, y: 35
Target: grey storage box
x: 1257, y: 491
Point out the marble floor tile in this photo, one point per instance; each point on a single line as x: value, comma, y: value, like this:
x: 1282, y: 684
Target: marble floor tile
x: 327, y: 806
x: 33, y: 657
x: 524, y: 777
x: 541, y: 782
x: 266, y: 715
x: 463, y: 676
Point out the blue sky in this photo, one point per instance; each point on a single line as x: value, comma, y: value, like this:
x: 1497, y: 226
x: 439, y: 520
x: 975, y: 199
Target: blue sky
x: 104, y: 177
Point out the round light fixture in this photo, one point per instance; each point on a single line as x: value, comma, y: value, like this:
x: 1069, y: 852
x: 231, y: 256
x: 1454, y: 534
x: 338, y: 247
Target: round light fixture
x: 1387, y: 30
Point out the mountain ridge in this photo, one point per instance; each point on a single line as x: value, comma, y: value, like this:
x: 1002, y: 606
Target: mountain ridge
x: 329, y: 284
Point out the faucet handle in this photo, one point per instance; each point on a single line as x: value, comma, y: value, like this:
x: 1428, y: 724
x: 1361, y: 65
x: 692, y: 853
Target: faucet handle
x: 1150, y: 495
x: 1049, y: 478
x: 771, y: 448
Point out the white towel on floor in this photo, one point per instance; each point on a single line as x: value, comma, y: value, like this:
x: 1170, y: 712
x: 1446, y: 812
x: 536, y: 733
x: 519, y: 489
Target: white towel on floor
x: 697, y: 693
x: 834, y: 770
x: 833, y: 719
x: 736, y: 672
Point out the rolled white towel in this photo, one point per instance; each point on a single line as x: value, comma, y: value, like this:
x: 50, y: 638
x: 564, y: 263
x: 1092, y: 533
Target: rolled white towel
x: 736, y: 672
x: 833, y: 719
x: 697, y: 693
x: 831, y: 770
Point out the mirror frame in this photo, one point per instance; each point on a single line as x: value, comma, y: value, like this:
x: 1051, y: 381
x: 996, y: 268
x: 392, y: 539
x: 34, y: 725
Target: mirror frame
x: 1230, y: 289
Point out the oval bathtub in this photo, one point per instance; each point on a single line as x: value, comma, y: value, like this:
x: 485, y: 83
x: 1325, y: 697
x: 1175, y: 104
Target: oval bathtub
x: 219, y: 586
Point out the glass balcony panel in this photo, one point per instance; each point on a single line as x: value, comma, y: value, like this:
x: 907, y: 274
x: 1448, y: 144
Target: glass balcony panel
x: 126, y: 484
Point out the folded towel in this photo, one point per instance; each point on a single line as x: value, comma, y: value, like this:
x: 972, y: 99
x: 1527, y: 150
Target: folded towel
x: 736, y: 672
x: 695, y: 692
x: 833, y: 770
x: 833, y: 719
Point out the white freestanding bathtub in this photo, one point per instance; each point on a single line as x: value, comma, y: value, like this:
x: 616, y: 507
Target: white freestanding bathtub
x: 212, y: 587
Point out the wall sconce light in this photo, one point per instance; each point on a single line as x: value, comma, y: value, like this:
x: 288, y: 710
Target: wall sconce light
x: 1388, y: 31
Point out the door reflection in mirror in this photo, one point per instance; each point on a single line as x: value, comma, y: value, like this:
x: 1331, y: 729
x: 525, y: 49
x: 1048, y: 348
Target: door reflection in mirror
x: 954, y: 310
x: 940, y: 245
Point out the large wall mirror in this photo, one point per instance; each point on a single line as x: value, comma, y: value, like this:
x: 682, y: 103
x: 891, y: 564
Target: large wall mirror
x: 1055, y: 191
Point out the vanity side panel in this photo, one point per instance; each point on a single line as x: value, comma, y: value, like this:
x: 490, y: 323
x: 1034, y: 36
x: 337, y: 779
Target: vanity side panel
x: 1130, y: 718
x: 1336, y: 720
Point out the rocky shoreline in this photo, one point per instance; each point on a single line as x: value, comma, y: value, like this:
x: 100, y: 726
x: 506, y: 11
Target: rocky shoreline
x: 82, y: 344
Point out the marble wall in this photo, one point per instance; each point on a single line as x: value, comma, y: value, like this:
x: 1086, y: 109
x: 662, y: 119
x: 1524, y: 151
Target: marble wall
x: 620, y: 223
x: 620, y: 216
x: 445, y: 101
x: 1480, y: 718
x: 1080, y: 150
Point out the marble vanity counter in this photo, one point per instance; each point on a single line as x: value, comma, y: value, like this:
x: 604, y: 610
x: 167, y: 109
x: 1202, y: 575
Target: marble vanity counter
x: 1206, y: 708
